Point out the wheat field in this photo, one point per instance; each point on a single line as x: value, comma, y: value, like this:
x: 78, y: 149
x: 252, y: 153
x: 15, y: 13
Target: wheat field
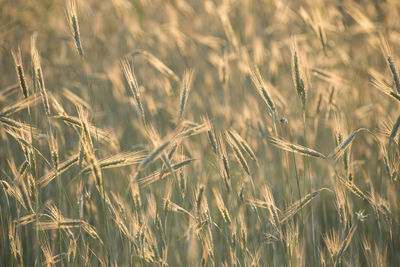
x: 199, y: 133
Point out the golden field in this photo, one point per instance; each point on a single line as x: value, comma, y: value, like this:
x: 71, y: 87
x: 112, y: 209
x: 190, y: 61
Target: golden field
x: 199, y: 133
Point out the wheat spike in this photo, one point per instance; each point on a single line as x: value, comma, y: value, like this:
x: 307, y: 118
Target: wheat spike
x: 72, y: 18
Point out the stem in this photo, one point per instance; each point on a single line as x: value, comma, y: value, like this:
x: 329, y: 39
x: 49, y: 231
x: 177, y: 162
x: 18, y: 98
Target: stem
x: 307, y: 172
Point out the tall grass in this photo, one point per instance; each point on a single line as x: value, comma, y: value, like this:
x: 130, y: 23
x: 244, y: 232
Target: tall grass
x: 187, y: 133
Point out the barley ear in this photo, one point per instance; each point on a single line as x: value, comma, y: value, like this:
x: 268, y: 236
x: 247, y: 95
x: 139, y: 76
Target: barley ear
x: 20, y: 72
x: 72, y: 18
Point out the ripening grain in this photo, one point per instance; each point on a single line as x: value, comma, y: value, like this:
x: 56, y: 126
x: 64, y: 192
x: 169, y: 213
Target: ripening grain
x: 199, y: 133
